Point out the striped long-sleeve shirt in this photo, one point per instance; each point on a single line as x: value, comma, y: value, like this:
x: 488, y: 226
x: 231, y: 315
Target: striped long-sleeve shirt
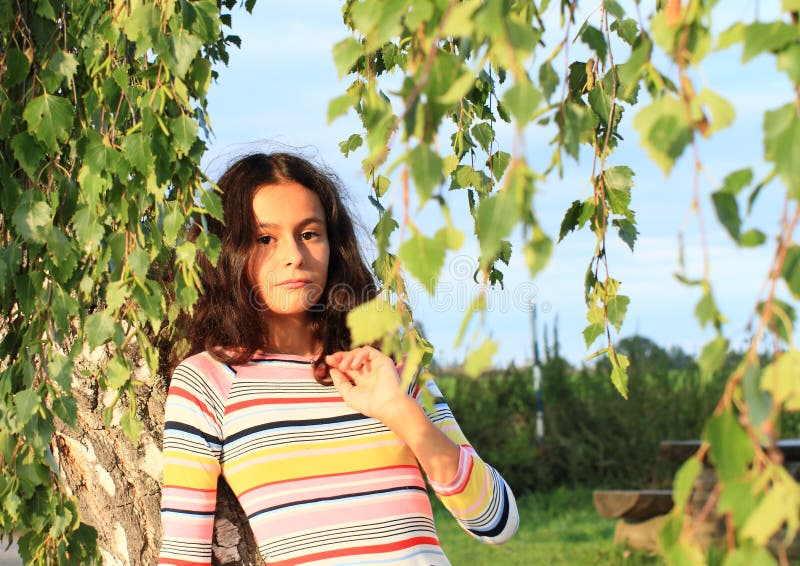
x: 319, y: 482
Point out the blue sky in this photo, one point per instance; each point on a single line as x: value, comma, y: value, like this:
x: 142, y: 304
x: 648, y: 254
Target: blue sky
x: 275, y: 93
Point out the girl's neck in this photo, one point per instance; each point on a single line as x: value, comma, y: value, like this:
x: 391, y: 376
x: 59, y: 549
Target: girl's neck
x: 289, y: 335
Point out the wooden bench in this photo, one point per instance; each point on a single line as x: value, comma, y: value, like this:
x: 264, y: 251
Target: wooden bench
x: 632, y: 504
x: 641, y: 513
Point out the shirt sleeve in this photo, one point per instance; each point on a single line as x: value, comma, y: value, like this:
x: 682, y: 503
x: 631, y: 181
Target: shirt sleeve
x: 478, y: 497
x: 192, y: 445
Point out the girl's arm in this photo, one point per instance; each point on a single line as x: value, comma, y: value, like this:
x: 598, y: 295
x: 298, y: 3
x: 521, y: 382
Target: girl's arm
x: 191, y: 470
x: 473, y: 491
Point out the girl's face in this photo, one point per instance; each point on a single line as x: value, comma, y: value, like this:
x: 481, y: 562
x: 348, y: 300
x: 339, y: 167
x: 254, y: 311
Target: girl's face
x: 289, y: 263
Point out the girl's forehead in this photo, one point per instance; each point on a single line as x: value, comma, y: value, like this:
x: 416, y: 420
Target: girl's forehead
x: 286, y: 203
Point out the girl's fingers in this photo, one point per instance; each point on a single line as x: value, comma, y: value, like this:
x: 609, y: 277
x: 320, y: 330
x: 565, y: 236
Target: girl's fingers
x: 340, y: 381
x: 333, y: 359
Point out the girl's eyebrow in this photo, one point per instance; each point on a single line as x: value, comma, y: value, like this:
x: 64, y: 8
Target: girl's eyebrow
x: 304, y: 222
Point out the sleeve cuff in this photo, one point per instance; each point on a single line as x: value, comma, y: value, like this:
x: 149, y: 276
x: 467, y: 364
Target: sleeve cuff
x: 457, y: 484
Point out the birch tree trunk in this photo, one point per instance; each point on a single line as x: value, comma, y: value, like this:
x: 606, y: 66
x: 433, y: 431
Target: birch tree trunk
x: 118, y: 485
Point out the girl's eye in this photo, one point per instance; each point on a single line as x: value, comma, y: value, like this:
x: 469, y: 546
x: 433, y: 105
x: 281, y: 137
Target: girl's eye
x: 308, y: 235
x: 264, y: 240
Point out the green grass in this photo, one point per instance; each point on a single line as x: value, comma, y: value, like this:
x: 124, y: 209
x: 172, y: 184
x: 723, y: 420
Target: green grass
x: 556, y: 528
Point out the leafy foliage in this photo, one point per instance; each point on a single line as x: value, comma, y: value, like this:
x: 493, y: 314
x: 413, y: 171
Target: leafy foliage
x: 100, y: 109
x: 433, y: 81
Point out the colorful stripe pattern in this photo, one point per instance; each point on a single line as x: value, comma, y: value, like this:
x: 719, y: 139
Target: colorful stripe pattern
x: 320, y: 483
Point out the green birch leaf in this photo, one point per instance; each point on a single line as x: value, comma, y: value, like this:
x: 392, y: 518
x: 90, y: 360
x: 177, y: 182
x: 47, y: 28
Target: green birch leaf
x: 88, y: 229
x: 617, y: 307
x: 202, y: 18
x: 49, y: 118
x: 722, y: 112
x: 17, y: 67
x: 706, y: 310
x: 480, y: 359
x: 618, y: 182
x: 498, y: 163
x: 684, y: 481
x: 570, y: 221
x: 483, y: 134
x: 426, y: 170
x: 664, y: 131
x: 131, y: 426
x: 734, y: 182
x: 66, y: 409
x: 345, y: 55
x: 212, y: 203
x: 98, y: 328
x: 392, y: 56
x: 351, y: 144
x: 458, y: 89
x: 752, y: 238
x: 210, y: 245
x: 28, y: 153
x: 730, y: 450
x: 740, y: 499
x: 143, y: 25
x: 791, y: 270
x: 495, y: 217
x: 63, y: 63
x: 748, y: 554
x: 117, y: 373
x: 626, y: 230
x: 577, y: 127
x: 592, y: 332
x: 137, y: 150
x: 780, y: 379
x: 619, y: 372
x: 548, y: 79
x: 27, y: 403
x: 538, y: 251
x: 340, y: 105
x: 424, y: 258
x: 771, y: 37
x: 712, y: 357
x: 171, y: 224
x: 759, y: 404
x: 183, y: 48
x: 731, y: 36
x: 522, y: 100
x: 779, y: 505
x: 184, y: 133
x: 782, y: 145
x: 381, y: 185
x: 627, y: 30
x: 32, y: 219
x: 139, y: 260
x: 789, y: 62
x: 459, y: 18
x: 727, y: 212
x: 371, y: 321
x: 596, y: 41
x: 117, y: 292
x: 60, y: 369
x: 59, y: 249
x: 601, y: 103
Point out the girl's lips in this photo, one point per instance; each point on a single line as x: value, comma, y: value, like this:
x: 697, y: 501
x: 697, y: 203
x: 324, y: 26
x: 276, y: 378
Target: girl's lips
x: 294, y: 283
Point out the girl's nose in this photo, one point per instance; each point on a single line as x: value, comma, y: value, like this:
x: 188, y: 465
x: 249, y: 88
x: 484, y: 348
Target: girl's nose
x: 293, y: 255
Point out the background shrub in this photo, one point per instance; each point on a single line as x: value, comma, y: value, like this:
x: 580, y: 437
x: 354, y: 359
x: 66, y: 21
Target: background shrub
x: 593, y: 437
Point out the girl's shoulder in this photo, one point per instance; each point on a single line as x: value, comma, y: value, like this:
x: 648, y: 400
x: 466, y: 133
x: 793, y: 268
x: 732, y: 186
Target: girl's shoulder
x: 204, y: 368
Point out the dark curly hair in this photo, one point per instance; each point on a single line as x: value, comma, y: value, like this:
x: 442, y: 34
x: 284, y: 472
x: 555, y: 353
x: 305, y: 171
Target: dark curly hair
x: 226, y: 322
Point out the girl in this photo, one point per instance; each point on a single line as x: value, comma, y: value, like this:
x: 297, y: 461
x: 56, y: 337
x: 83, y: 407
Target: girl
x: 320, y: 443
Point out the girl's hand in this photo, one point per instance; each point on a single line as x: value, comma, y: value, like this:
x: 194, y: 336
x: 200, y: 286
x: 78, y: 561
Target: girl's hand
x: 368, y: 382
